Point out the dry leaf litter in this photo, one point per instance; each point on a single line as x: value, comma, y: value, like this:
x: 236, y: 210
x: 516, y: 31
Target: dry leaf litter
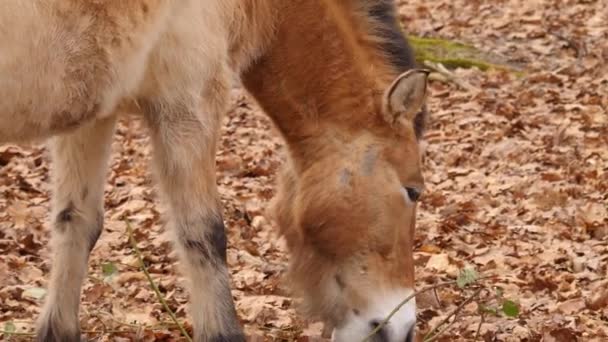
x: 517, y: 185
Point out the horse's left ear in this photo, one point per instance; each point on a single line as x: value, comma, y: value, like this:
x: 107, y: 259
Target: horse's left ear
x: 405, y: 96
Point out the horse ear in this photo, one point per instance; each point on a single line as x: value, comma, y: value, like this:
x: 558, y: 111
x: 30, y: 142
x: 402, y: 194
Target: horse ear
x: 405, y: 96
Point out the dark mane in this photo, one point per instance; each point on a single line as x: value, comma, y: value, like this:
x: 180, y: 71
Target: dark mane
x: 394, y: 45
x: 387, y: 28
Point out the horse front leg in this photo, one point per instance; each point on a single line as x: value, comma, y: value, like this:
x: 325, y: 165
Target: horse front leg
x: 184, y: 139
x: 79, y: 164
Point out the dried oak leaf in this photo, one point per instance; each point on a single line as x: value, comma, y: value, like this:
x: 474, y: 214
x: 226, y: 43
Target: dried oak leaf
x: 560, y: 335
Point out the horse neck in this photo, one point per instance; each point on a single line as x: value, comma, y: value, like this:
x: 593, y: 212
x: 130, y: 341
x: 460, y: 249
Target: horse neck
x: 311, y: 78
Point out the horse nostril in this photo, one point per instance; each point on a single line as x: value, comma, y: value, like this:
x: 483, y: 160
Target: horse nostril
x: 413, y: 194
x: 381, y: 335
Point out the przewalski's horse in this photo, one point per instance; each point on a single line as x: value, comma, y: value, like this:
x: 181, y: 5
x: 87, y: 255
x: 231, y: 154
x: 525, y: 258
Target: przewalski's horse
x: 336, y: 77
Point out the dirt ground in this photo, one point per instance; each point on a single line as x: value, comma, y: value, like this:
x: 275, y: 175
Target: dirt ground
x: 516, y: 166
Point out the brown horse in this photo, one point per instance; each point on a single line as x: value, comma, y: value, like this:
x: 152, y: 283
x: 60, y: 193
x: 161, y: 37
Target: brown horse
x: 336, y: 77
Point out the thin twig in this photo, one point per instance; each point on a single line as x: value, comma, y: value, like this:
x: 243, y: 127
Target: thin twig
x: 439, y: 333
x: 137, y: 326
x: 437, y: 297
x: 16, y: 333
x: 408, y: 298
x: 104, y: 331
x: 580, y: 51
x: 398, y: 307
x: 159, y: 295
x: 103, y: 324
x: 481, y: 321
x: 9, y: 333
x: 433, y: 334
x: 448, y: 75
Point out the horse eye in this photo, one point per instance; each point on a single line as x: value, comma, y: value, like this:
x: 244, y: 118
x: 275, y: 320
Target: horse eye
x: 413, y: 194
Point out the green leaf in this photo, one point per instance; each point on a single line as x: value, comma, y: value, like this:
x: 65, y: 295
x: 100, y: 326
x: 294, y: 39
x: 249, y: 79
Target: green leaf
x: 109, y: 269
x: 9, y: 327
x: 510, y: 308
x: 467, y: 276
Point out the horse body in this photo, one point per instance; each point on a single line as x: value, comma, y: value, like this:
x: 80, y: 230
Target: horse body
x: 329, y: 74
x: 67, y: 62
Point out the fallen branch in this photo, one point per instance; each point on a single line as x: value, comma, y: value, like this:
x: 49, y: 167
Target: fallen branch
x: 159, y: 295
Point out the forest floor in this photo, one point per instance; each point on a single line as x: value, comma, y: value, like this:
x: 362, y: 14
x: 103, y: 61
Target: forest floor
x: 516, y: 167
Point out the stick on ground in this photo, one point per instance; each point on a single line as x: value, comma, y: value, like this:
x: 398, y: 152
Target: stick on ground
x: 159, y: 295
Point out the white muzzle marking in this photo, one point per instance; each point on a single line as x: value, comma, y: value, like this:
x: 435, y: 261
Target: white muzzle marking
x: 358, y: 326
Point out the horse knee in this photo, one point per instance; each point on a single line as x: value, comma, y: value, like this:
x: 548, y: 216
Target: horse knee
x: 209, y: 248
x: 77, y: 224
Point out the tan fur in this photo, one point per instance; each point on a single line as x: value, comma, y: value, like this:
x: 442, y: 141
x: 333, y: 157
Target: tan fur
x: 79, y: 165
x: 67, y: 67
x: 359, y: 232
